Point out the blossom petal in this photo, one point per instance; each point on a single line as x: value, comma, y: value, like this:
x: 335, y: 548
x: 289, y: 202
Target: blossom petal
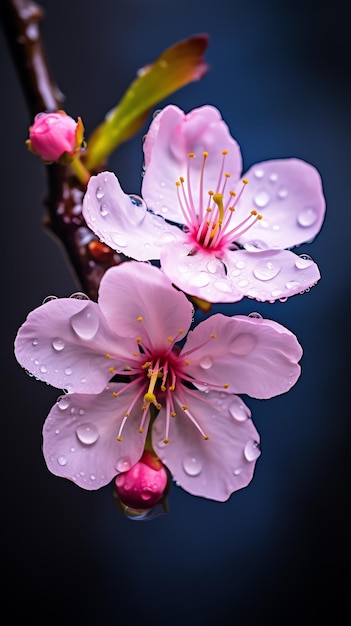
x: 289, y: 195
x: 123, y: 222
x: 65, y: 341
x: 172, y: 136
x: 270, y: 275
x: 200, y: 274
x: 216, y: 467
x: 139, y: 300
x: 80, y: 437
x: 245, y: 355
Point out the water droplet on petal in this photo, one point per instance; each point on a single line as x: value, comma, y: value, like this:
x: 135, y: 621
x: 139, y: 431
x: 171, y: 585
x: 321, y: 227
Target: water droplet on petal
x: 292, y: 284
x: 243, y: 344
x: 238, y: 412
x: 214, y: 265
x: 259, y: 173
x: 252, y: 450
x: 266, y: 270
x: 237, y: 471
x: 206, y: 362
x: 85, y: 323
x: 104, y: 210
x: 123, y: 465
x: 99, y: 193
x: 58, y: 344
x: 119, y: 240
x: 255, y: 315
x: 192, y: 466
x: 87, y: 434
x: 62, y: 460
x: 240, y: 265
x: 307, y: 217
x: 200, y: 279
x: 282, y: 193
x: 35, y: 342
x: 43, y: 369
x: 261, y: 199
x: 68, y: 371
x: 49, y: 298
x: 303, y: 261
x: 273, y: 177
x: 79, y: 295
x: 63, y: 403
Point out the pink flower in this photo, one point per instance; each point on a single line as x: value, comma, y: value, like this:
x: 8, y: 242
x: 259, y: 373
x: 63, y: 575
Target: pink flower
x: 129, y: 352
x: 235, y: 234
x: 144, y: 485
x: 55, y: 136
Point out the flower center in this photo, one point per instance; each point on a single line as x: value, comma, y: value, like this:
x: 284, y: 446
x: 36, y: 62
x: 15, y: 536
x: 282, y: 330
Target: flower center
x: 160, y: 379
x: 210, y: 218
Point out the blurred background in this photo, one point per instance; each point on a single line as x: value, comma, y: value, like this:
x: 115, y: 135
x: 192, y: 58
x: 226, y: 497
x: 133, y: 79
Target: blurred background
x: 276, y: 551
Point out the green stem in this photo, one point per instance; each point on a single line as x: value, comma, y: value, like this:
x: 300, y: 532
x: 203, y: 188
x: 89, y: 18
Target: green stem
x: 80, y: 170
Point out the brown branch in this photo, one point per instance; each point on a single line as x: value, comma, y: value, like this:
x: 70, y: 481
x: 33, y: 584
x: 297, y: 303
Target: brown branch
x: 88, y: 257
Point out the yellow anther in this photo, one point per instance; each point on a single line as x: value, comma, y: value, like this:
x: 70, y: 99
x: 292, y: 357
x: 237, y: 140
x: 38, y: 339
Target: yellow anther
x: 144, y: 407
x: 191, y: 155
x: 227, y: 175
x: 149, y: 397
x: 177, y: 183
x: 180, y: 331
x: 205, y: 154
x: 140, y: 318
x: 163, y: 388
x: 127, y: 368
x: 138, y: 339
x: 171, y: 388
x: 186, y: 362
x: 115, y: 394
x: 184, y: 407
x: 253, y: 212
x: 225, y: 386
x: 119, y: 438
x: 206, y: 437
x: 210, y: 193
x: 245, y: 181
x: 208, y: 210
x: 145, y: 365
x: 135, y: 353
x: 126, y: 414
x: 224, y: 152
x: 181, y: 179
x: 169, y: 339
x: 232, y: 193
x: 111, y: 369
x: 107, y: 355
x: 166, y: 441
x: 141, y: 430
x: 259, y: 216
x: 173, y: 414
x: 213, y: 336
x: 159, y: 374
x: 231, y: 209
x: 158, y: 405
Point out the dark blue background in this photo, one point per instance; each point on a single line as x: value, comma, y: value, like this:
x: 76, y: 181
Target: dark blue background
x: 275, y: 552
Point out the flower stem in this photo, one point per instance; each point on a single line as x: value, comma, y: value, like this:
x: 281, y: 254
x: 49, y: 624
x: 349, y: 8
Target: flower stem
x: 80, y: 170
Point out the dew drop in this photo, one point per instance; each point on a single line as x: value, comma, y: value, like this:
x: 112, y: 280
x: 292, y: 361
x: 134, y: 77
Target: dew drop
x: 118, y: 240
x: 261, y: 199
x: 35, y: 342
x: 238, y: 412
x: 222, y: 286
x: 292, y: 284
x: 43, y: 369
x: 68, y: 371
x: 63, y: 403
x: 303, y: 261
x: 242, y: 283
x: 259, y: 173
x: 85, y: 323
x: 62, y: 460
x: 192, y: 466
x: 104, y: 210
x: 79, y: 295
x: 307, y: 217
x: 99, y: 193
x: 206, y: 362
x: 87, y: 434
x: 266, y: 270
x: 282, y: 193
x: 58, y: 344
x: 200, y: 279
x: 49, y: 298
x: 237, y: 471
x: 273, y: 177
x: 123, y: 465
x: 240, y: 265
x: 213, y: 266
x: 252, y: 450
x: 255, y: 315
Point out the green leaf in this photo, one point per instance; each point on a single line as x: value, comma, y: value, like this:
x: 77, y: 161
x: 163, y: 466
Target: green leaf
x: 177, y: 66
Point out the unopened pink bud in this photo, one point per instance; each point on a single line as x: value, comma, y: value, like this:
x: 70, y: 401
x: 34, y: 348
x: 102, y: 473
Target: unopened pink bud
x: 55, y: 136
x: 144, y: 485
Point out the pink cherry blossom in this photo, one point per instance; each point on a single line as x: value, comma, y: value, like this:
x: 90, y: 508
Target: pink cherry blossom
x: 144, y: 485
x: 55, y: 135
x: 234, y: 231
x: 131, y: 356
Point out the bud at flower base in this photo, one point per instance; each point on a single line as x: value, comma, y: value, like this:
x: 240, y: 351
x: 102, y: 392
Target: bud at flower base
x: 143, y: 485
x: 55, y: 137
